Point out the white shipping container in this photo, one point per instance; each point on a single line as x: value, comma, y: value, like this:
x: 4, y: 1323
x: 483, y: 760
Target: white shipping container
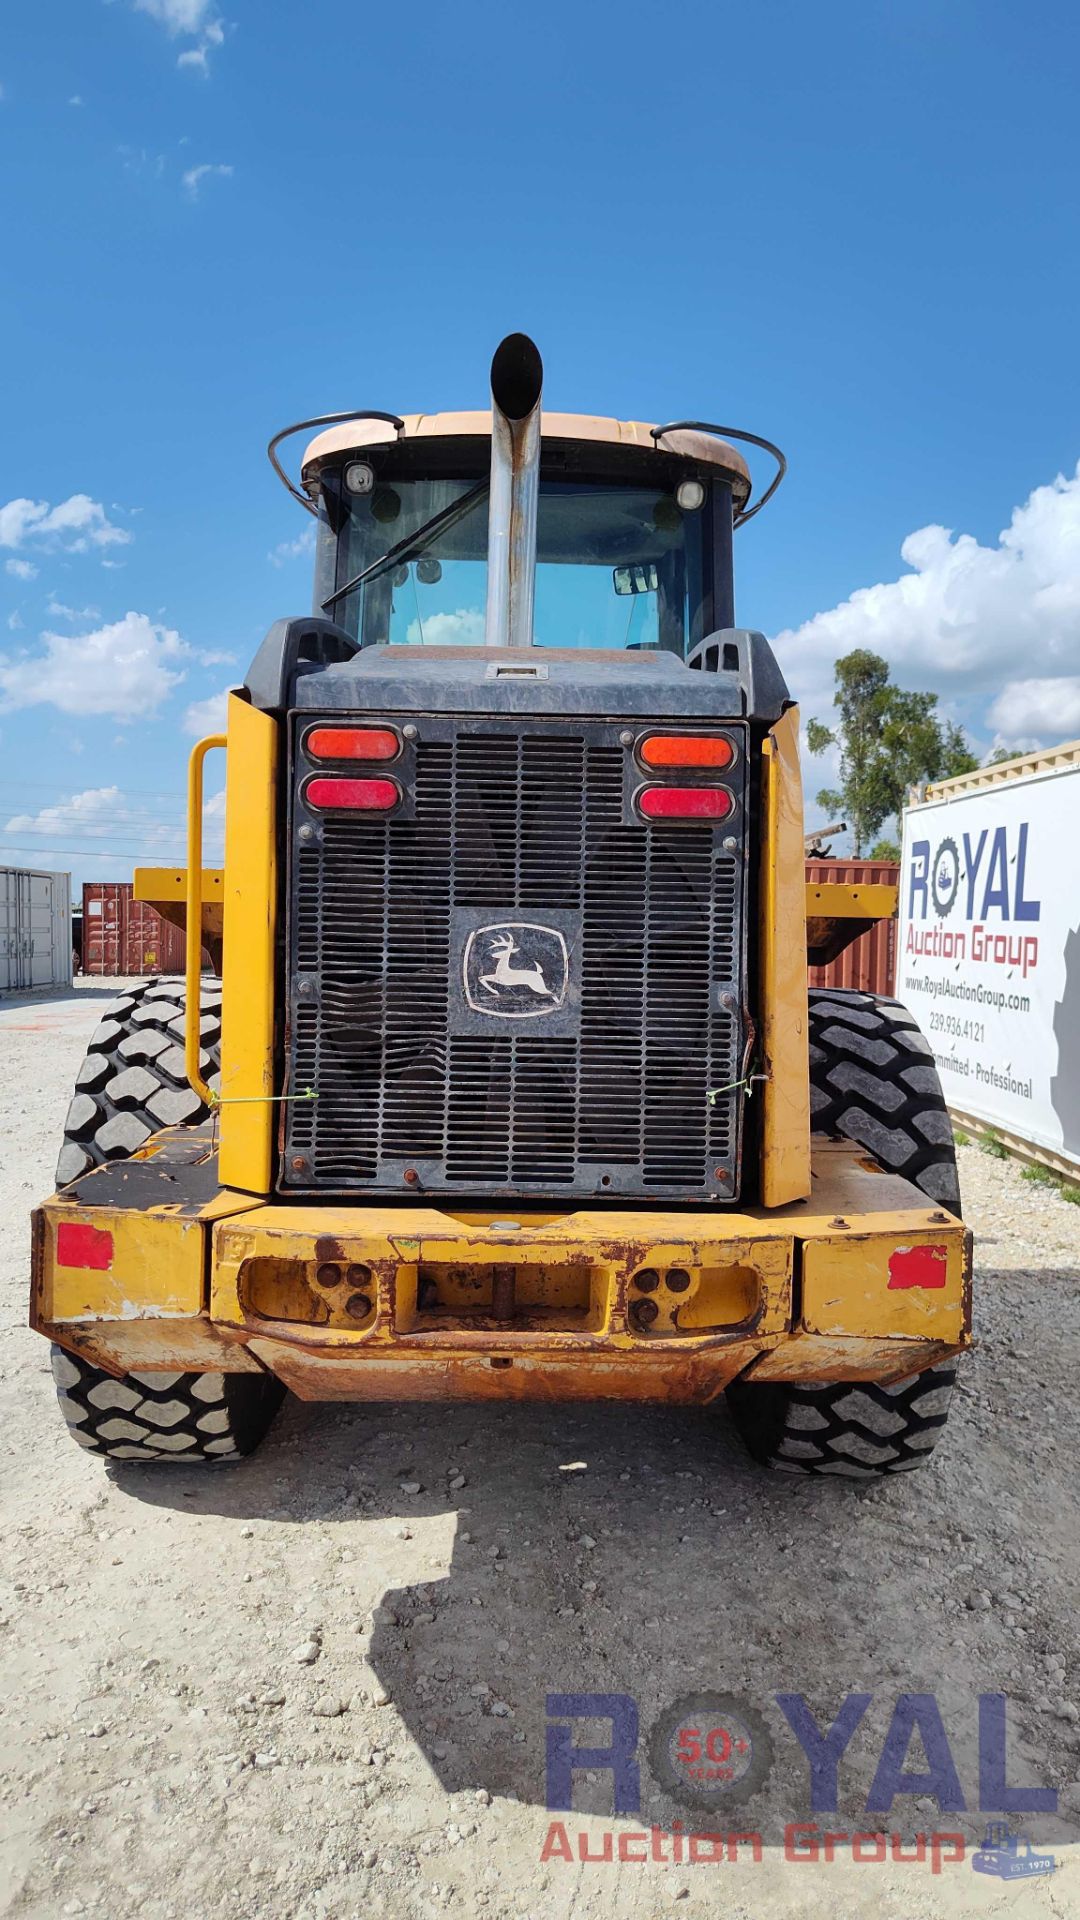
x: 35, y: 929
x: 989, y: 944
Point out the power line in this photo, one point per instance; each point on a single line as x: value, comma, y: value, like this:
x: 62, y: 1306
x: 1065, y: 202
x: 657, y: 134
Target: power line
x: 128, y: 835
x: 59, y: 786
x: 153, y: 856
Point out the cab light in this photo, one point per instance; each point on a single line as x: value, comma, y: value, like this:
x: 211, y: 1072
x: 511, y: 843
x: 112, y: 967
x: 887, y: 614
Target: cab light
x: 686, y: 750
x: 685, y: 803
x: 364, y: 796
x: 352, y: 743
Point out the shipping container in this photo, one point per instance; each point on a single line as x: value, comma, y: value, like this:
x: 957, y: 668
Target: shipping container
x: 122, y: 935
x: 869, y: 964
x: 35, y: 929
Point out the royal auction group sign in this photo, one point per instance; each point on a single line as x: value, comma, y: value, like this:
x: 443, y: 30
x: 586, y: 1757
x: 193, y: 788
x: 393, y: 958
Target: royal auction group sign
x: 989, y: 951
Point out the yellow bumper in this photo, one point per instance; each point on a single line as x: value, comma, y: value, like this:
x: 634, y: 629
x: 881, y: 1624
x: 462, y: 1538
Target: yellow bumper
x: 866, y: 1280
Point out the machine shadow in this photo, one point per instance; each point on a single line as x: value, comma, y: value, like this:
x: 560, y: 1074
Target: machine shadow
x: 612, y: 1548
x: 605, y: 1549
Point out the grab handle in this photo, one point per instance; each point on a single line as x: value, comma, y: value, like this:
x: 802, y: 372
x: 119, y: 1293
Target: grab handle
x: 193, y: 955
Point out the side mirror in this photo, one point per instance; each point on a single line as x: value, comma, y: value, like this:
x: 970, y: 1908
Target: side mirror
x: 636, y: 579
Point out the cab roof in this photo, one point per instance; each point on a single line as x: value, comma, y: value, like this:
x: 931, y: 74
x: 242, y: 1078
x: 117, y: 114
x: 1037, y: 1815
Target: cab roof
x: 352, y: 436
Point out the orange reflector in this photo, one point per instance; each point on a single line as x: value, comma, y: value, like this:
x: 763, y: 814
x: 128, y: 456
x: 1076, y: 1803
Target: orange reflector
x: 367, y: 796
x: 685, y: 803
x: 352, y: 743
x: 686, y: 750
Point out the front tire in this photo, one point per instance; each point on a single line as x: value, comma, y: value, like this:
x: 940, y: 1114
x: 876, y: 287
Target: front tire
x: 181, y: 1417
x: 873, y: 1081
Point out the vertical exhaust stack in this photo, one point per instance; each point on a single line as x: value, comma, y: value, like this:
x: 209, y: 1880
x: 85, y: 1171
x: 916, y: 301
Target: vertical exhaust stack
x: 517, y: 377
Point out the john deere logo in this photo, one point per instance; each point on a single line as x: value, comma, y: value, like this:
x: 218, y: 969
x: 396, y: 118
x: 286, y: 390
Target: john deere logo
x: 516, y: 970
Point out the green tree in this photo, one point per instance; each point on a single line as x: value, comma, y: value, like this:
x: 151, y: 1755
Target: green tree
x: 888, y: 740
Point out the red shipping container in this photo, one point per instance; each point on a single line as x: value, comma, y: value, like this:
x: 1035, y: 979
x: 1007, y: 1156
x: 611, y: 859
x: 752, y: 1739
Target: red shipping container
x: 122, y: 935
x: 869, y: 964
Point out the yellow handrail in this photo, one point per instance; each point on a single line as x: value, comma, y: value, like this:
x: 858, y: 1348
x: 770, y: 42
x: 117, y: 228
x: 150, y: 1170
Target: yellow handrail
x: 193, y: 956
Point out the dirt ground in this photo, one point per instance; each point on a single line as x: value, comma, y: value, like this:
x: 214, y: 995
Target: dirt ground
x: 313, y: 1685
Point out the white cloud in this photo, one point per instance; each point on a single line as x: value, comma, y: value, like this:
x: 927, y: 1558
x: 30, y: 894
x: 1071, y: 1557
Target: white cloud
x: 60, y: 612
x: 199, y: 57
x: 14, y: 621
x: 125, y: 669
x: 287, y: 550
x: 195, y: 176
x: 76, y: 100
x: 74, y: 526
x: 207, y: 716
x: 188, y: 19
x: 966, y: 614
x: 465, y: 628
x: 21, y: 569
x: 1036, y: 707
x: 102, y: 833
x: 176, y: 16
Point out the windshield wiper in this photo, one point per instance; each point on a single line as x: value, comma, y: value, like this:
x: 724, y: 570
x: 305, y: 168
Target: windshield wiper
x: 413, y: 543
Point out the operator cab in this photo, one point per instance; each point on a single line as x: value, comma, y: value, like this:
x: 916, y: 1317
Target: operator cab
x: 633, y: 532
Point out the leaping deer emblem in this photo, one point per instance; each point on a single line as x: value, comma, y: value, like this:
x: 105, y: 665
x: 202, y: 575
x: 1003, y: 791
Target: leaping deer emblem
x: 502, y: 950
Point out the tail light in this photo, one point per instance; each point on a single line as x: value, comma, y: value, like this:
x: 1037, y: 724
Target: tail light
x: 352, y: 743
x: 685, y: 803
x: 686, y: 750
x: 364, y: 796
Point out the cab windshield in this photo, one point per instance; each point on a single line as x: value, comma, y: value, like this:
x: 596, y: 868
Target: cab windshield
x: 617, y: 566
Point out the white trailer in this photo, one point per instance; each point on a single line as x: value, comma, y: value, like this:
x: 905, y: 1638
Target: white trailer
x: 35, y: 929
x: 989, y: 946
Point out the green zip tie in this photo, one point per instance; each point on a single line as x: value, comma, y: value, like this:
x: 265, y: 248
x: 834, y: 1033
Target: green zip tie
x: 732, y: 1085
x: 260, y: 1099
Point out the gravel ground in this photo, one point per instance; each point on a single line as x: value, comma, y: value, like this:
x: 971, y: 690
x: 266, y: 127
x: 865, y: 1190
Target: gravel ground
x: 313, y: 1686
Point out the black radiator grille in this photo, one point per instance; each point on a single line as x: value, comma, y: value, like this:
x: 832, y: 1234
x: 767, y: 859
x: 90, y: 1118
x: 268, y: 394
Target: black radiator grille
x: 509, y: 817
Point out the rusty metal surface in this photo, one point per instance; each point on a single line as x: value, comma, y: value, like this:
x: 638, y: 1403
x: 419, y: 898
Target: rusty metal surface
x: 153, y: 1346
x: 411, y: 1301
x: 663, y: 1377
x: 811, y: 1356
x: 868, y: 963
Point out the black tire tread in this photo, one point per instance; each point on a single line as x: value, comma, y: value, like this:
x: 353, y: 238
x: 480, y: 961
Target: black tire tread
x: 177, y: 1417
x: 854, y: 1430
x: 182, y: 1418
x: 873, y: 1081
x: 132, y: 1081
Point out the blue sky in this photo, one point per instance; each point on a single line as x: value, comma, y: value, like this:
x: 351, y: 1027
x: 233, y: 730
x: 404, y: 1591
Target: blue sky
x: 851, y: 227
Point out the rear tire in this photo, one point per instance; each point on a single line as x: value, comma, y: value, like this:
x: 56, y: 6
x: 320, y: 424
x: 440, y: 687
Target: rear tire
x: 873, y: 1081
x: 132, y: 1083
x: 179, y: 1417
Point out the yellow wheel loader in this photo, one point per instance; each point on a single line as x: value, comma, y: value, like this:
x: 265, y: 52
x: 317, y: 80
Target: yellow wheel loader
x: 511, y: 1086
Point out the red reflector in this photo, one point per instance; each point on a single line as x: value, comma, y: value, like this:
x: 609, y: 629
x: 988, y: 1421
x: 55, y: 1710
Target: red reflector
x: 917, y: 1267
x: 683, y: 750
x: 352, y: 743
x: 685, y: 803
x: 83, y: 1247
x: 367, y: 796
